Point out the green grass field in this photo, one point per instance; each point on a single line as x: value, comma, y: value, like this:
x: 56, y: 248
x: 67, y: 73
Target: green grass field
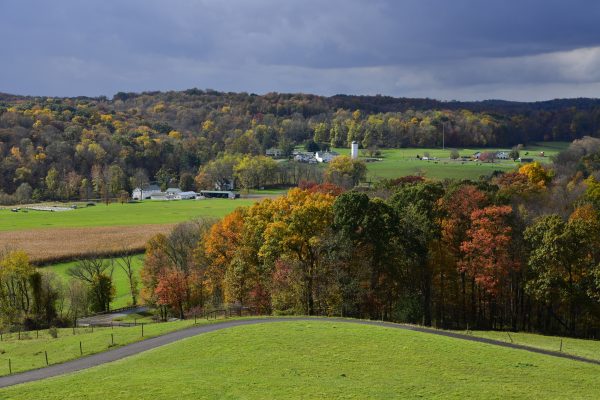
x: 28, y: 353
x: 146, y: 212
x: 120, y: 281
x: 316, y: 360
x: 401, y: 162
x: 578, y: 347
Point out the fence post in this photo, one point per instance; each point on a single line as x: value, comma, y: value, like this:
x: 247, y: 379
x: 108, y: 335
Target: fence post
x: 19, y: 334
x: 560, y: 345
x: 46, y: 354
x: 80, y: 348
x: 112, y: 338
x: 510, y: 337
x: 9, y: 367
x: 37, y: 334
x: 194, y: 318
x: 142, y: 329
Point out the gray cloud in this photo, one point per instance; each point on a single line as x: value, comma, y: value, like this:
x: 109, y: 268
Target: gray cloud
x: 460, y: 49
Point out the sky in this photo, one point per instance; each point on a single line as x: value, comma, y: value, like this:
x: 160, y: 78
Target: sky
x: 524, y: 50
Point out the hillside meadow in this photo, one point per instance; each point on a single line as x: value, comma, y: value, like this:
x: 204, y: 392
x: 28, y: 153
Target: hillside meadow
x: 314, y: 359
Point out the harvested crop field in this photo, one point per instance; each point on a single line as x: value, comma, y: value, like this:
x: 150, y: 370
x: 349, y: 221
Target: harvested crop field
x: 53, y: 245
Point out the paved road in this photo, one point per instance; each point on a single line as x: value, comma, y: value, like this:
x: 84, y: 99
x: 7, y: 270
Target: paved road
x: 138, y: 347
x: 109, y: 317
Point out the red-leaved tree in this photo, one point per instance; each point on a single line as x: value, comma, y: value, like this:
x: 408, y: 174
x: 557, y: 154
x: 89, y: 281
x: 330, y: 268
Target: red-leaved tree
x: 487, y: 257
x: 171, y: 289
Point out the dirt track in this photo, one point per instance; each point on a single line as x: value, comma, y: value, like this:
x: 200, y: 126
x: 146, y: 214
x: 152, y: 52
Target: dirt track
x: 138, y: 347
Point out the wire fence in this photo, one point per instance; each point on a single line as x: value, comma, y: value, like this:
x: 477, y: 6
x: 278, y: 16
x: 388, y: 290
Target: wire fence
x: 106, y: 336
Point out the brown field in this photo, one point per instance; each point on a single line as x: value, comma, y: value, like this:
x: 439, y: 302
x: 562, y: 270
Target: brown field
x: 55, y: 245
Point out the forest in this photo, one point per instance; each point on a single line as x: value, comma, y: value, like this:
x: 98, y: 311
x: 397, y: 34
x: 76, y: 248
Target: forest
x: 518, y: 251
x: 80, y: 148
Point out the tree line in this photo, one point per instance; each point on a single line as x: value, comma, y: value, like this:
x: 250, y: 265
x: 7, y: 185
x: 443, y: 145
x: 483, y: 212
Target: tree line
x: 78, y: 148
x: 517, y: 251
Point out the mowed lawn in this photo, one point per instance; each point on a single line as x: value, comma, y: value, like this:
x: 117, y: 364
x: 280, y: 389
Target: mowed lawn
x: 120, y: 280
x: 402, y: 162
x: 116, y: 214
x: 316, y: 360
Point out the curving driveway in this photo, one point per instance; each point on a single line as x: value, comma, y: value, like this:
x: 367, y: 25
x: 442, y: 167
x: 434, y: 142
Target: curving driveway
x: 138, y: 347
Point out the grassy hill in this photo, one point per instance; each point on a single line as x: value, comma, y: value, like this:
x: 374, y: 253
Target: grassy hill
x: 324, y: 360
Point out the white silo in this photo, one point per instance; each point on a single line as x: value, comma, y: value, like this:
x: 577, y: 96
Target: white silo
x: 354, y: 150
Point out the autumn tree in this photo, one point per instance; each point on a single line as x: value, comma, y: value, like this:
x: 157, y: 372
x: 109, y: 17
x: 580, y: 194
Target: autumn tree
x: 171, y: 290
x: 345, y: 172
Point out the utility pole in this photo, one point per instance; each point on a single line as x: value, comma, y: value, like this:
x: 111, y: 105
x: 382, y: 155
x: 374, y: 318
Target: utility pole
x: 443, y: 135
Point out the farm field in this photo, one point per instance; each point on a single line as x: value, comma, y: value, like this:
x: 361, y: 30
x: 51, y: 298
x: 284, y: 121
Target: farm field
x: 122, y: 296
x: 401, y: 162
x: 49, y: 246
x: 313, y: 359
x: 50, y: 237
x: 144, y: 213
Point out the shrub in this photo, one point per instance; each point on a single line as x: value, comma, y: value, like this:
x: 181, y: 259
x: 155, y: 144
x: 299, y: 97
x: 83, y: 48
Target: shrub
x: 53, y: 331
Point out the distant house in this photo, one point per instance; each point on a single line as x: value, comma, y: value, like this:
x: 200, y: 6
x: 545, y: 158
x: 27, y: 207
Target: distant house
x: 274, y: 152
x: 502, y: 155
x: 325, y: 156
x: 477, y: 155
x: 524, y: 160
x: 306, y: 157
x: 185, y: 195
x: 145, y: 192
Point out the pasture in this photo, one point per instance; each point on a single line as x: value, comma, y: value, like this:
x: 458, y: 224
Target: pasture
x: 147, y: 212
x: 402, y: 162
x: 314, y: 359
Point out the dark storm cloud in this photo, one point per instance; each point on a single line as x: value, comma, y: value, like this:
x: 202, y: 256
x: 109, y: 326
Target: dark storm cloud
x: 464, y: 49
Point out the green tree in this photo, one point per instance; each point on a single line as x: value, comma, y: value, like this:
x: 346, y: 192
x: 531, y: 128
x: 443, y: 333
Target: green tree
x: 52, y: 182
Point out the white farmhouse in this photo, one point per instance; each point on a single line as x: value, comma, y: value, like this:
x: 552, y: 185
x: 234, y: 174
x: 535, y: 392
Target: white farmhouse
x: 325, y: 156
x: 145, y: 193
x: 502, y: 155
